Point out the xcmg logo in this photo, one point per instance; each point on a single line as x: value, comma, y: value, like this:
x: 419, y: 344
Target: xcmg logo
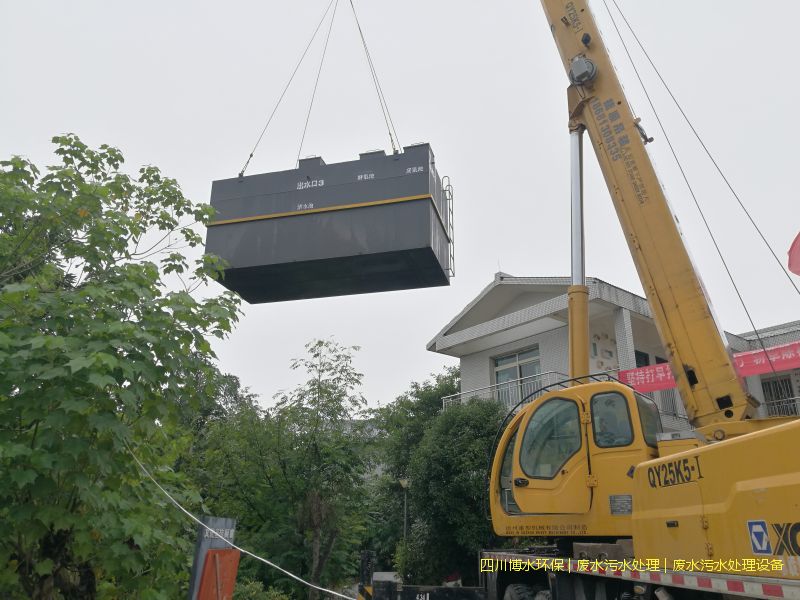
x: 786, y: 538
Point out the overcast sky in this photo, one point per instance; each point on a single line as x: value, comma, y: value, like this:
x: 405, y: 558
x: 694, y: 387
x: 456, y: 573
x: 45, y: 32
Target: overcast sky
x: 187, y: 86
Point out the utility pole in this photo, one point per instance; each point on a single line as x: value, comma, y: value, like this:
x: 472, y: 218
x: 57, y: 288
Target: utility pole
x: 405, y: 484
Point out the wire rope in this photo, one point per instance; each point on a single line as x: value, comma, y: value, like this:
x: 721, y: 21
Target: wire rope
x: 286, y: 87
x: 703, y: 145
x: 387, y: 117
x: 688, y: 184
x: 316, y: 81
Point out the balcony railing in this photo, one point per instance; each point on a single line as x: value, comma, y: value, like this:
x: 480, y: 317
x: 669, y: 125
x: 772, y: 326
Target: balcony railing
x: 508, y: 393
x: 788, y: 407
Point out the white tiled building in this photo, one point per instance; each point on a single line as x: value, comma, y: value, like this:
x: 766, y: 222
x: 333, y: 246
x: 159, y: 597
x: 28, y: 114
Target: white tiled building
x: 512, y: 339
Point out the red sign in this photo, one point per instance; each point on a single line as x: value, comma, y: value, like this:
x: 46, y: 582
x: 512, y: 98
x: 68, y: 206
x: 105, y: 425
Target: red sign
x: 649, y: 379
x: 779, y: 358
x: 756, y: 362
x: 219, y: 575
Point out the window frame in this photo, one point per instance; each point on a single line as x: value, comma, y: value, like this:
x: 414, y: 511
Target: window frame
x: 627, y: 411
x: 641, y: 397
x: 516, y: 363
x: 773, y: 381
x: 568, y: 458
x: 508, y: 453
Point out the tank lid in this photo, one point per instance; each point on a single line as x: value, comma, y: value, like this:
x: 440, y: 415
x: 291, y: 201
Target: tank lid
x: 372, y: 154
x: 312, y: 161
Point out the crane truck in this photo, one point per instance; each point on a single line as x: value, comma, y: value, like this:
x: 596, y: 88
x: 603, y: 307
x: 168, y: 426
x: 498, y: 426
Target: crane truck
x: 585, y: 466
x: 618, y: 508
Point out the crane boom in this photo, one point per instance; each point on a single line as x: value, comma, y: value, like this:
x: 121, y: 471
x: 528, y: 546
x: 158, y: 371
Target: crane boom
x: 699, y: 355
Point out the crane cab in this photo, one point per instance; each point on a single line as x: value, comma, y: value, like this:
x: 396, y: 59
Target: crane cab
x: 564, y: 465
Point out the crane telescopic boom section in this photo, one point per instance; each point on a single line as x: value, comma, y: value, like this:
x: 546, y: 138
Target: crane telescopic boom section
x: 700, y: 358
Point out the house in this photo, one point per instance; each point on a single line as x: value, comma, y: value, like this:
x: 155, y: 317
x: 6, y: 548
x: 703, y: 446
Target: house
x: 512, y: 339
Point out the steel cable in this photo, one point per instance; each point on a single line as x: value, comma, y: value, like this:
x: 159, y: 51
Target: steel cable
x: 689, y: 185
x: 286, y: 87
x: 316, y: 82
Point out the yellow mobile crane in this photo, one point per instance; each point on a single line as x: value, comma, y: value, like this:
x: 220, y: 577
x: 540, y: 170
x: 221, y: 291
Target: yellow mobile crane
x: 586, y: 465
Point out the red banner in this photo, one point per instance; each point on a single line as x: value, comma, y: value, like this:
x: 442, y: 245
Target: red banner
x: 756, y: 362
x: 782, y: 358
x: 649, y: 379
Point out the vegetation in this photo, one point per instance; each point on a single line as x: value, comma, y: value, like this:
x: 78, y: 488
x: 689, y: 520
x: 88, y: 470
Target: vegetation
x: 447, y: 469
x: 97, y: 357
x: 105, y: 354
x: 295, y: 474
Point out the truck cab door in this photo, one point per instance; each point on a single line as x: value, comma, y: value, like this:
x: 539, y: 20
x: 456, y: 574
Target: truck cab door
x: 551, y: 466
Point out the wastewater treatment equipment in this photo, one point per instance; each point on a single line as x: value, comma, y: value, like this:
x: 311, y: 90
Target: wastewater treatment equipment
x: 379, y: 223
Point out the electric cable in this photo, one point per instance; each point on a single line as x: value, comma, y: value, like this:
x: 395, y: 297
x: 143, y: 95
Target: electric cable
x: 387, y: 117
x: 703, y: 145
x: 216, y: 534
x: 316, y: 82
x: 689, y: 185
x: 288, y: 83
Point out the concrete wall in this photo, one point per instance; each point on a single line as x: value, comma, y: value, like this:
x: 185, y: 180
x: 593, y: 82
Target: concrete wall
x: 477, y: 370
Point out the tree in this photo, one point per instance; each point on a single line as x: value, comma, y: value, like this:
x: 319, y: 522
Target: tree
x: 403, y: 422
x: 97, y: 356
x: 447, y: 473
x: 294, y: 475
x: 401, y: 426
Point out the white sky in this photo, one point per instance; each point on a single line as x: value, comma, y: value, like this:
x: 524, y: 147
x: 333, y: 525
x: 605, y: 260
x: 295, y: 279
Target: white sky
x: 187, y: 86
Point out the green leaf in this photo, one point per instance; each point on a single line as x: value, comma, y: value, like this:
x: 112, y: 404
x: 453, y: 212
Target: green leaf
x: 75, y: 405
x: 38, y: 341
x: 44, y: 567
x: 53, y: 373
x: 80, y: 362
x: 12, y: 450
x: 101, y: 381
x: 23, y: 477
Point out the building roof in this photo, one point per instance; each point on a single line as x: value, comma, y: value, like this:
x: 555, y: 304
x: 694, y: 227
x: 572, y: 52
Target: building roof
x: 510, y: 308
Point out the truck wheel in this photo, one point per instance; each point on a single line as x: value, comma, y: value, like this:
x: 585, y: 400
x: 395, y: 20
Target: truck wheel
x: 520, y: 591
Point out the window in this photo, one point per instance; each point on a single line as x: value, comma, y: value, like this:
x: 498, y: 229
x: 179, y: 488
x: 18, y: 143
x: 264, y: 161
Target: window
x: 516, y: 375
x: 778, y: 388
x: 642, y: 358
x: 669, y: 402
x: 517, y: 365
x: 553, y: 435
x: 651, y: 420
x: 611, y: 421
x: 778, y: 393
x: 506, y: 476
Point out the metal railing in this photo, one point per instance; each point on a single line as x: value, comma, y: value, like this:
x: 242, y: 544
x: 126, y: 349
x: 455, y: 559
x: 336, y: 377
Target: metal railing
x: 670, y: 407
x: 787, y: 407
x: 508, y: 393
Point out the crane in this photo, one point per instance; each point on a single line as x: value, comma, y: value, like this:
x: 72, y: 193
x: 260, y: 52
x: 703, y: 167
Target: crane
x: 586, y: 465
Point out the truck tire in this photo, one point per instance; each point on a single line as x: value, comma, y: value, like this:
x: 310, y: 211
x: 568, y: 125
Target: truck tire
x: 520, y: 591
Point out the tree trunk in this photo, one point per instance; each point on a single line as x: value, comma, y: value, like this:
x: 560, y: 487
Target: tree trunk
x: 316, y: 534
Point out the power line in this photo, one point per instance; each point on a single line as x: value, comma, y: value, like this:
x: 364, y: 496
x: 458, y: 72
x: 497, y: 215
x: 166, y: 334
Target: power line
x: 216, y: 534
